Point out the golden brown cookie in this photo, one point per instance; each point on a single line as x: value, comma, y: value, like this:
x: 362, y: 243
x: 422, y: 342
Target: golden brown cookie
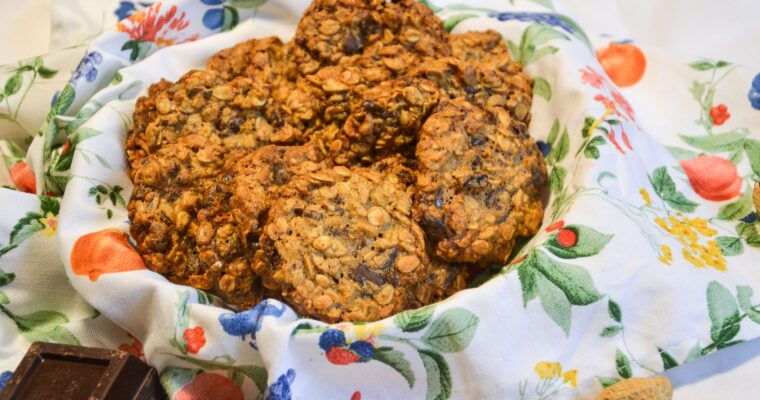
x: 258, y: 59
x: 181, y: 223
x: 203, y: 103
x: 479, y: 183
x: 340, y: 245
x: 258, y: 177
x: 480, y: 85
x: 386, y: 119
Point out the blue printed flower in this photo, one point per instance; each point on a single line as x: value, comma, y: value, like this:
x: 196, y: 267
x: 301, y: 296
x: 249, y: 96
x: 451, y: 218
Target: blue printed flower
x: 543, y: 147
x: 213, y: 18
x: 754, y: 93
x: 86, y: 67
x: 546, y: 18
x: 249, y: 322
x: 280, y: 389
x: 55, y: 98
x: 363, y: 349
x: 4, y: 378
x: 127, y: 8
x: 332, y: 338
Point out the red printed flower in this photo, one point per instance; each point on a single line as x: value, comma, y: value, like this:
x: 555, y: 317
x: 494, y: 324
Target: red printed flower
x: 195, y: 338
x: 518, y: 260
x: 341, y: 356
x: 557, y: 225
x: 210, y: 386
x: 719, y: 114
x: 66, y: 147
x: 356, y: 396
x: 23, y: 177
x: 135, y: 348
x: 591, y: 77
x: 151, y: 25
x: 623, y: 103
x: 567, y: 237
x: 713, y: 178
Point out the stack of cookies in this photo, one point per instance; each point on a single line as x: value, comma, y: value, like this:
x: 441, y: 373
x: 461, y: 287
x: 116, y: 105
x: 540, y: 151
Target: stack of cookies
x: 359, y: 170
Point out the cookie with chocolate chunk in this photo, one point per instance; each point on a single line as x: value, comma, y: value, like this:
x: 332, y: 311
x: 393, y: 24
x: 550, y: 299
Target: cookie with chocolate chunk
x: 181, y: 223
x: 340, y: 245
x: 258, y: 177
x: 258, y: 59
x: 479, y: 183
x: 386, y: 119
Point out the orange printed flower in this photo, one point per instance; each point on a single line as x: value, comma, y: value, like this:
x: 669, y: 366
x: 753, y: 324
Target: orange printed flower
x: 713, y: 178
x: 719, y: 114
x: 104, y: 252
x: 624, y: 63
x: 23, y: 177
x: 153, y: 26
x: 135, y: 348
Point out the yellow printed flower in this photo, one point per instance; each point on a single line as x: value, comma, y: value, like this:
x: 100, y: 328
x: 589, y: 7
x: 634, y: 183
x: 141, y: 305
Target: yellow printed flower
x: 666, y: 255
x: 688, y: 232
x: 570, y: 376
x: 548, y: 370
x: 646, y: 197
x: 50, y: 223
x: 364, y: 331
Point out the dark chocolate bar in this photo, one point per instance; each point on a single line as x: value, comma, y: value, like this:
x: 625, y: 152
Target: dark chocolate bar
x: 56, y: 371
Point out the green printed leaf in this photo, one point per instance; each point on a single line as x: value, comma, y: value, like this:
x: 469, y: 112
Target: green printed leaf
x: 702, y: 65
x: 752, y: 148
x: 13, y: 84
x: 247, y: 3
x: 744, y: 297
x: 80, y: 118
x: 6, y: 277
x: 557, y: 179
x: 231, y: 18
x: 452, y: 331
x: 27, y: 226
x: 257, y: 374
x: 58, y: 334
x: 578, y: 31
x: 681, y: 154
x: 553, y: 133
x: 721, y: 64
x: 40, y: 320
x: 545, y: 3
x: 542, y: 88
x: 414, y: 320
x: 694, y: 353
x: 538, y: 34
x: 451, y: 22
x: 607, y: 381
x: 665, y: 188
x: 589, y: 242
x: 49, y: 205
x: 668, y: 361
x: 749, y: 232
x: 559, y: 151
x: 236, y: 377
x: 554, y: 302
x: 175, y: 378
x: 623, y: 365
x: 438, y: 375
x: 736, y: 210
x: 4, y: 298
x: 717, y: 143
x: 46, y: 73
x: 591, y: 150
x: 65, y: 99
x: 535, y: 55
x: 396, y: 360
x: 137, y: 49
x: 613, y: 308
x: 723, y: 345
x: 730, y: 246
x: 527, y: 274
x: 724, y: 313
x: 586, y: 126
x: 574, y: 281
x: 611, y: 331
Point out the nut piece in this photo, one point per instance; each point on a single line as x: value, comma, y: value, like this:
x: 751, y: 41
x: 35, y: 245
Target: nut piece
x: 656, y: 388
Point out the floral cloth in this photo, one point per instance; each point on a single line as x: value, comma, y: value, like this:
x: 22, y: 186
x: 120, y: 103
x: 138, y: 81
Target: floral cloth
x: 644, y: 261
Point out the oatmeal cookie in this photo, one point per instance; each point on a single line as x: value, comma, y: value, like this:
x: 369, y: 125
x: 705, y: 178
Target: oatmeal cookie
x: 480, y: 85
x: 257, y: 59
x: 203, y: 103
x: 181, y: 222
x: 340, y: 245
x: 386, y: 120
x: 479, y: 183
x: 486, y: 48
x: 258, y: 177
